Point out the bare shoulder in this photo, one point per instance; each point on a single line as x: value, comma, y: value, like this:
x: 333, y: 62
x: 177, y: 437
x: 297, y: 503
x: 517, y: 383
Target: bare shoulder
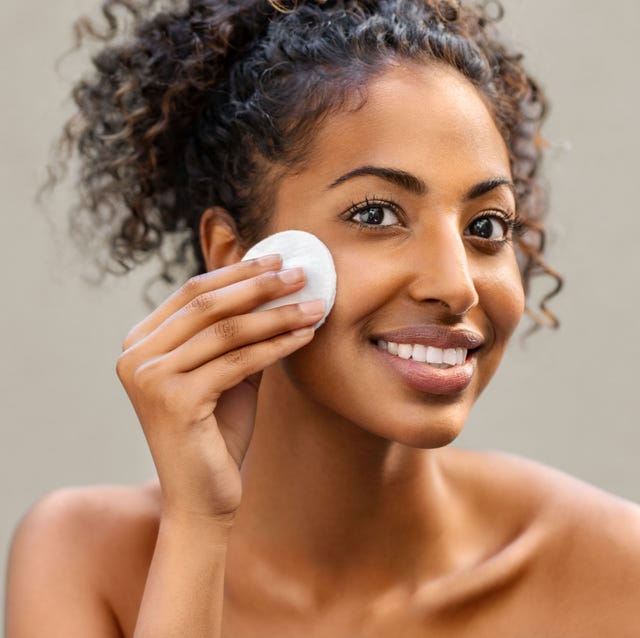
x: 93, y: 522
x: 598, y: 523
x: 101, y: 538
x: 587, y: 556
x: 555, y: 492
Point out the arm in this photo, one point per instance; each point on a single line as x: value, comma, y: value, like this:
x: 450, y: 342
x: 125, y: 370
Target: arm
x: 187, y: 371
x: 190, y: 370
x: 183, y: 596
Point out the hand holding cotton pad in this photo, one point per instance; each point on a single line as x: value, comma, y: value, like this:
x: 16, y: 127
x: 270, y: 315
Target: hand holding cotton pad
x: 301, y: 249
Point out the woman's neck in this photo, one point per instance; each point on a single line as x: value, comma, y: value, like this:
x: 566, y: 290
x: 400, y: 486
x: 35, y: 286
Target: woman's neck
x: 337, y: 502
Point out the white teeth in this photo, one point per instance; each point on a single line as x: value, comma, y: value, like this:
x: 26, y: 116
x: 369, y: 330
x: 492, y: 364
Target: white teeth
x: 439, y: 357
x: 419, y: 353
x: 450, y: 356
x: 434, y: 355
x: 405, y: 350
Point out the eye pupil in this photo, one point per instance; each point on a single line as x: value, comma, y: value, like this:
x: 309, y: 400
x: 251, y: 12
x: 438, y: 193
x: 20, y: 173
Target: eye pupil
x: 483, y: 228
x: 373, y: 215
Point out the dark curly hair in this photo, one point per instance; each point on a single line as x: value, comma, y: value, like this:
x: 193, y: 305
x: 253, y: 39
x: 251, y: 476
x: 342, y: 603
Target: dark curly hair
x: 203, y: 101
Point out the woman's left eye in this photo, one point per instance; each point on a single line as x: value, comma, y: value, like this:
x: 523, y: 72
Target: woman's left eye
x: 375, y: 215
x: 490, y: 227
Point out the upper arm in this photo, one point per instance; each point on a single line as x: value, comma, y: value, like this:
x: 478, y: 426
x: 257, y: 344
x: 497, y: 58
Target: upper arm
x: 53, y: 586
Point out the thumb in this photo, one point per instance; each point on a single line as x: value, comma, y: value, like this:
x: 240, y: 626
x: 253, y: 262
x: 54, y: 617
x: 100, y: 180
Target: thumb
x: 236, y: 414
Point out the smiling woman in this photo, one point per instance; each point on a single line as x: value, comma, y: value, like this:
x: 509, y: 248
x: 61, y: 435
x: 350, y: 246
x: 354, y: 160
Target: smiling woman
x: 414, y: 265
x: 305, y: 482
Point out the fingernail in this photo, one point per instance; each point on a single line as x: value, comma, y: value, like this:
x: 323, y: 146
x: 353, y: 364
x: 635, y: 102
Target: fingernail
x: 269, y: 260
x: 291, y: 276
x: 315, y: 307
x: 302, y: 332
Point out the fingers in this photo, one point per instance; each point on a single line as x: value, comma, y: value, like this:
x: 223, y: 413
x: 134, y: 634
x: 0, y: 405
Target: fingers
x: 233, y: 367
x: 159, y: 393
x: 234, y: 332
x: 223, y: 305
x: 201, y: 285
x: 231, y: 339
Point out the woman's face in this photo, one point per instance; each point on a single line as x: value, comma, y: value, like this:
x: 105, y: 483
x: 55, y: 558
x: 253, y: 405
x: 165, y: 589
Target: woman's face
x: 412, y: 194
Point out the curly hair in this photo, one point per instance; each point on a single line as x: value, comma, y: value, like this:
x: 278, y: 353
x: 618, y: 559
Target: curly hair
x: 201, y: 102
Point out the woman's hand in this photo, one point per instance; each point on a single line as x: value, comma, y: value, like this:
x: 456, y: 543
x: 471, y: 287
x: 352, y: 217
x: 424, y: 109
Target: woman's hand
x: 191, y: 370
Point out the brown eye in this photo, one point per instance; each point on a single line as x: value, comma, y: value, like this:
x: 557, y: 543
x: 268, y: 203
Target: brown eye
x: 375, y: 215
x: 489, y: 227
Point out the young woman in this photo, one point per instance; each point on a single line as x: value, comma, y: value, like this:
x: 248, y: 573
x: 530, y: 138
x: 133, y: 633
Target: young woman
x: 304, y: 479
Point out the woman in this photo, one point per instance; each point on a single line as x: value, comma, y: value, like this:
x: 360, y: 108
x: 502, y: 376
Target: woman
x: 305, y: 481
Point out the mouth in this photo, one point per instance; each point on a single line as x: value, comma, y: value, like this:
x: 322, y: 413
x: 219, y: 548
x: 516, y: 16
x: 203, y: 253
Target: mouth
x: 440, y: 358
x: 431, y: 359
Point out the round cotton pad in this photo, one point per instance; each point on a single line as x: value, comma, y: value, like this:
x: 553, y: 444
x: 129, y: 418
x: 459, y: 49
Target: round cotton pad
x: 301, y: 249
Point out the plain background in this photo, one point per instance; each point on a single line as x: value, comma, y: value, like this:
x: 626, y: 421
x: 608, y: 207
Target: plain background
x: 567, y: 398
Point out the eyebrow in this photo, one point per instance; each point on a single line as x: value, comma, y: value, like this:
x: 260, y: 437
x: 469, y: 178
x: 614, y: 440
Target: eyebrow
x: 488, y: 185
x: 405, y: 180
x: 415, y: 185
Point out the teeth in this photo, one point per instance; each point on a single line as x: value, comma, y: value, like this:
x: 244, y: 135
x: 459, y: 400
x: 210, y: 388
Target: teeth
x: 450, y: 356
x: 419, y: 353
x: 435, y: 355
x: 439, y: 357
x: 405, y: 350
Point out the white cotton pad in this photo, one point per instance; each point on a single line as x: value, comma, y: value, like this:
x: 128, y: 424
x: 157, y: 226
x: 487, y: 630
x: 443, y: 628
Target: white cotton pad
x: 300, y: 249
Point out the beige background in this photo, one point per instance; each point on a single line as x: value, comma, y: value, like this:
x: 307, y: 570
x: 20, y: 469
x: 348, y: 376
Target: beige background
x: 568, y: 399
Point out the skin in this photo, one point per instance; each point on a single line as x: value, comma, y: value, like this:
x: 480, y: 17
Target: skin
x: 347, y: 514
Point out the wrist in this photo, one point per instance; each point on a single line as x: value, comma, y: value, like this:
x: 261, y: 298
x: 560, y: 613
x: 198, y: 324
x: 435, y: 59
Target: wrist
x: 215, y: 526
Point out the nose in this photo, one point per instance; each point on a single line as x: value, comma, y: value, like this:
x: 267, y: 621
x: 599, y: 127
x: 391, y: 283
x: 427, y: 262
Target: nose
x: 441, y: 271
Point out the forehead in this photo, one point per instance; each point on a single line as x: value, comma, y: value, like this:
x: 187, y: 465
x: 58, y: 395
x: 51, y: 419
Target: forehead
x: 422, y: 118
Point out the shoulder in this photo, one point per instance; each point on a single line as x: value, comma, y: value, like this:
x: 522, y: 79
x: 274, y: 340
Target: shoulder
x: 85, y: 523
x: 586, y: 562
x: 569, y: 501
x: 100, y: 538
x: 542, y: 489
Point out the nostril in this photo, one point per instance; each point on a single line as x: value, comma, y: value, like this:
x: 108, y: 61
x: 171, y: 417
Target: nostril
x: 453, y: 305
x: 448, y: 284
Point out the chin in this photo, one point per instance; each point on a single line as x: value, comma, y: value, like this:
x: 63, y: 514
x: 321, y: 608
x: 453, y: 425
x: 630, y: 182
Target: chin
x: 425, y: 434
x: 403, y: 417
x: 432, y: 438
x: 417, y: 427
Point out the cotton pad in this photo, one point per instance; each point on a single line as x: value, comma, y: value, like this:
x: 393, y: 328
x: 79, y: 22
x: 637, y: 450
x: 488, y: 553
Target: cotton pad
x: 304, y: 250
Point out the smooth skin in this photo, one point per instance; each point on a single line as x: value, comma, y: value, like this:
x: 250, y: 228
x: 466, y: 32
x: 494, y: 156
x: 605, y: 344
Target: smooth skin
x: 327, y: 503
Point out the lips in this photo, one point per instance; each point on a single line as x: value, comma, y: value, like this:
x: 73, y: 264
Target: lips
x: 441, y: 337
x: 449, y: 375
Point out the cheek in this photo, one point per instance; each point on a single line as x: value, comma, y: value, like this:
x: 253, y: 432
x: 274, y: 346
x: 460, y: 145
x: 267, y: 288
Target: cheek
x: 362, y: 289
x: 365, y: 282
x: 503, y: 300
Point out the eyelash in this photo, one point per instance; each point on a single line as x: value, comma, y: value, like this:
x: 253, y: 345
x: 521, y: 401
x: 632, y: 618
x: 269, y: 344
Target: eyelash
x: 514, y: 227
x: 368, y: 202
x: 513, y: 223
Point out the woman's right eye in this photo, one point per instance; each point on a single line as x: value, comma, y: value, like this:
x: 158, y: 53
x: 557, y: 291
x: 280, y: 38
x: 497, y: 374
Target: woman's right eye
x: 375, y: 215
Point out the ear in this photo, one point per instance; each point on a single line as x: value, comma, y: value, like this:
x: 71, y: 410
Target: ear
x: 219, y: 239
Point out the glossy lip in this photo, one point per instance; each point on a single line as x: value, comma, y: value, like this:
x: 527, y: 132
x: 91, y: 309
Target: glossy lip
x: 429, y: 380
x: 423, y: 377
x: 432, y: 335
